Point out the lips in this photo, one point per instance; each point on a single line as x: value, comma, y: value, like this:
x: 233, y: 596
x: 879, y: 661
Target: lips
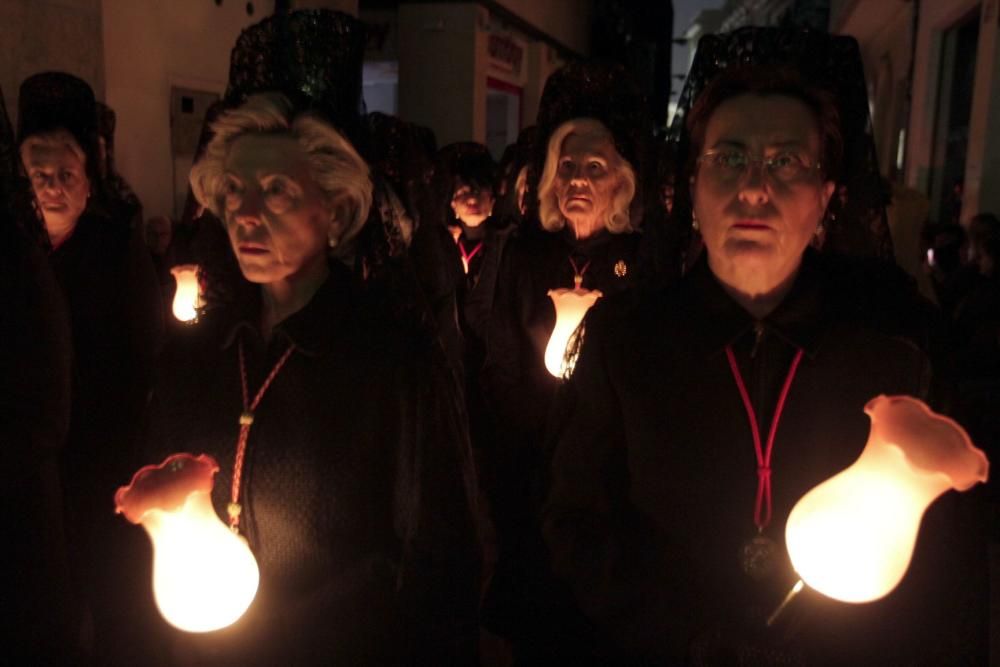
x: 751, y: 225
x: 252, y: 249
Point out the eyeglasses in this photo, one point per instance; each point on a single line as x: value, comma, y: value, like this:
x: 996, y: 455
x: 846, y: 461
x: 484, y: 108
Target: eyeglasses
x: 731, y: 165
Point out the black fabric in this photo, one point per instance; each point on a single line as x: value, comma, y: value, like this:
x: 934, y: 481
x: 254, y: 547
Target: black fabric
x: 856, y: 224
x: 116, y: 315
x: 121, y: 200
x: 357, y: 487
x: 519, y: 392
x: 314, y: 57
x: 8, y: 158
x: 397, y: 153
x: 35, y: 358
x: 653, y: 474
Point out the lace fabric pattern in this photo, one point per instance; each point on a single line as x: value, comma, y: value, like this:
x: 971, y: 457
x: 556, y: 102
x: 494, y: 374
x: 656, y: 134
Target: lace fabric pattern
x: 856, y: 223
x: 312, y: 56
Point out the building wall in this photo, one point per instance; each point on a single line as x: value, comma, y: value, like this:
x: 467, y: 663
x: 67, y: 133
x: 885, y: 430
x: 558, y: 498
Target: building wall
x: 150, y: 46
x: 437, y: 70
x: 567, y: 21
x: 444, y: 61
x: 935, y: 18
x: 42, y: 35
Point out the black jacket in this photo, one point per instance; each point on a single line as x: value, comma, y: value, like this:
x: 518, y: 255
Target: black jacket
x: 357, y: 484
x: 654, y: 472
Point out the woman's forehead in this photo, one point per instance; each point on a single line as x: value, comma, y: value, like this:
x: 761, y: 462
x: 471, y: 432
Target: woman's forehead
x: 259, y: 152
x: 763, y: 120
x: 589, y: 143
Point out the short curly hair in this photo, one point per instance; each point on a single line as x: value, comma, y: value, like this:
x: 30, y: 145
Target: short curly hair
x: 335, y: 165
x: 549, y: 215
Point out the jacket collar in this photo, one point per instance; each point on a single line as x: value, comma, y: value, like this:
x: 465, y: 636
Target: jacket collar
x: 800, y: 319
x: 314, y: 329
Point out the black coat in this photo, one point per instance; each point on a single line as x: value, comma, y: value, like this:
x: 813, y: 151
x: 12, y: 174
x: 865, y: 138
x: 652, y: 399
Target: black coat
x: 116, y: 317
x: 356, y: 484
x: 35, y: 358
x: 519, y: 391
x: 654, y: 473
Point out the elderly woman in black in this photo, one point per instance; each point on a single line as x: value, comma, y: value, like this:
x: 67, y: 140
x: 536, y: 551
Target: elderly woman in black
x: 581, y: 229
x: 107, y: 280
x: 697, y: 416
x: 354, y: 481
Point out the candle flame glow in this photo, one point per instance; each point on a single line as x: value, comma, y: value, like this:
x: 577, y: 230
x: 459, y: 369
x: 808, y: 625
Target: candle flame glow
x: 204, y: 575
x: 571, y: 305
x: 852, y: 536
x: 187, y: 298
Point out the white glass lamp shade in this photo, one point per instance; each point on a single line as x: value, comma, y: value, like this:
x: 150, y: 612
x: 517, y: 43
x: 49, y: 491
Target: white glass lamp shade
x: 571, y: 305
x: 851, y: 538
x: 187, y: 298
x: 204, y: 575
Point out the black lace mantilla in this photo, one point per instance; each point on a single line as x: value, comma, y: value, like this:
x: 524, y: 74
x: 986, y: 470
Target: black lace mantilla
x: 52, y: 100
x: 857, y: 223
x: 312, y: 56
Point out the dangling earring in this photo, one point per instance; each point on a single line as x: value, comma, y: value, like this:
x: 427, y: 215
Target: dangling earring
x: 819, y: 230
x: 694, y: 222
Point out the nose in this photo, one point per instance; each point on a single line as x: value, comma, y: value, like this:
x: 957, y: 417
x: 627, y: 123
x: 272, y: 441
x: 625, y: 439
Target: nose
x: 577, y: 176
x: 251, y: 207
x: 753, y: 184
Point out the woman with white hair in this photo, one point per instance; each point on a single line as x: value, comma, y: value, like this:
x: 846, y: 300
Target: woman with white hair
x: 584, y: 209
x: 352, y: 478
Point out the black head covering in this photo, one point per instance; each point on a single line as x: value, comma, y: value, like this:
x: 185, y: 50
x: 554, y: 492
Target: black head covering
x: 857, y: 223
x: 605, y: 92
x: 314, y: 57
x: 121, y: 201
x: 56, y: 100
x: 467, y: 161
x: 398, y: 154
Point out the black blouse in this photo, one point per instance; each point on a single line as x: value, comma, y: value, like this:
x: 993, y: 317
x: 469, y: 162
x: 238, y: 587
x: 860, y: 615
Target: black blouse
x: 356, y: 484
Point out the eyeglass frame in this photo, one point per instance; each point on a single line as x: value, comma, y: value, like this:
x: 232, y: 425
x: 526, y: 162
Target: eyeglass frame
x: 765, y: 162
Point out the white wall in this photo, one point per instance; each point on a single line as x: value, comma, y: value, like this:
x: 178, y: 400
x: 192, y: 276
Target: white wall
x: 149, y: 46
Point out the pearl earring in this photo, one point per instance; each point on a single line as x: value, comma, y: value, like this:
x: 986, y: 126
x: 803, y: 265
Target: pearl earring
x: 694, y: 222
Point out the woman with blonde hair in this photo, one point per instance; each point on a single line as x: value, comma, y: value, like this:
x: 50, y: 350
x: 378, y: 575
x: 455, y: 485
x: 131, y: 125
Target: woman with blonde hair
x: 353, y: 480
x: 584, y: 209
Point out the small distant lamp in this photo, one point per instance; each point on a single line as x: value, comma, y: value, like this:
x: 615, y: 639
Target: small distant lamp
x: 204, y: 575
x: 187, y: 298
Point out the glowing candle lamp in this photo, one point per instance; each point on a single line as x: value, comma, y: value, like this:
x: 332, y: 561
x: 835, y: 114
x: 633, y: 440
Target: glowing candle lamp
x: 571, y: 305
x: 187, y: 298
x: 852, y: 537
x: 204, y: 575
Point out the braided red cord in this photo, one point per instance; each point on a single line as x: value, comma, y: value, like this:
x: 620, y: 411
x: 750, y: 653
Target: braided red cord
x: 246, y: 421
x: 763, y: 455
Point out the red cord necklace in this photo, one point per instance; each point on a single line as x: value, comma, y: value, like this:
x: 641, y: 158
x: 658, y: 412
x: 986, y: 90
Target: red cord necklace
x: 758, y: 553
x: 467, y: 256
x: 578, y: 272
x: 246, y: 421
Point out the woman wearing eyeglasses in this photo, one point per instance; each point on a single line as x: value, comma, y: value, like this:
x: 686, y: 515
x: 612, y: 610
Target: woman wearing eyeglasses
x: 697, y: 416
